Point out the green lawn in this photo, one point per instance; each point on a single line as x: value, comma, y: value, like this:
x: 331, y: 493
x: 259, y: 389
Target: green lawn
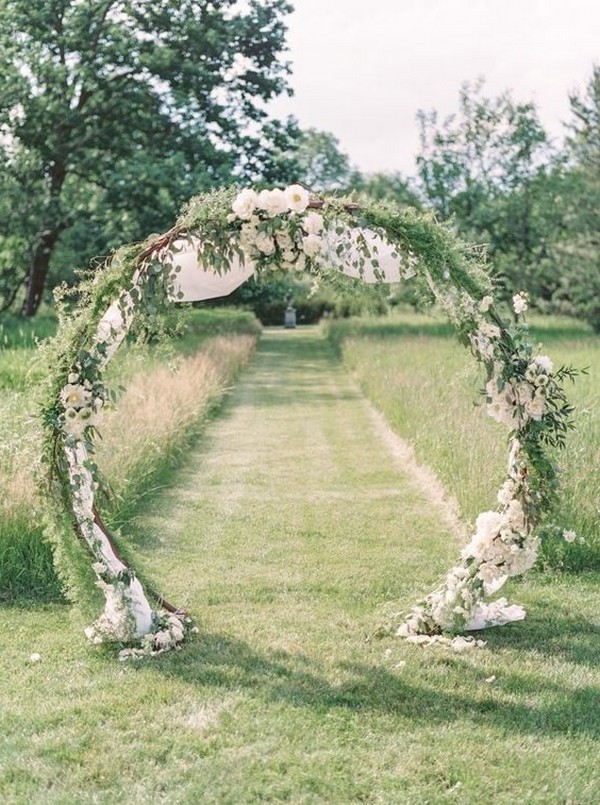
x: 290, y: 532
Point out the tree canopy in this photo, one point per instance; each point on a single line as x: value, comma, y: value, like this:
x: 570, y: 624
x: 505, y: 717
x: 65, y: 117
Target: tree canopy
x: 123, y: 106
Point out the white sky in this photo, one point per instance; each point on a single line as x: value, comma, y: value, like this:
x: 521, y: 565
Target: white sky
x: 362, y: 68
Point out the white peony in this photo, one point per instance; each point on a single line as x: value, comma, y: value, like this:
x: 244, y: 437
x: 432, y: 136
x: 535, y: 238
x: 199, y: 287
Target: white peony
x: 311, y: 245
x: 312, y: 223
x: 481, y: 547
x: 245, y: 203
x: 74, y: 395
x: 297, y: 198
x: 274, y: 202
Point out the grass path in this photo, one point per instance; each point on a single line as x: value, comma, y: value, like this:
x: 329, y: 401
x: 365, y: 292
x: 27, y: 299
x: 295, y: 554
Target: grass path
x: 286, y: 534
x: 295, y: 493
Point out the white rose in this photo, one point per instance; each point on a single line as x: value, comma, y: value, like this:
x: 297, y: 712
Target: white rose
x: 264, y: 243
x: 274, y: 202
x: 524, y: 392
x: 506, y: 492
x: 536, y: 407
x: 516, y: 515
x: 311, y: 245
x: 284, y: 239
x: 520, y: 302
x: 300, y: 263
x: 162, y: 639
x: 489, y: 330
x: 297, y: 198
x: 489, y: 573
x: 312, y: 223
x: 248, y: 234
x: 245, y: 203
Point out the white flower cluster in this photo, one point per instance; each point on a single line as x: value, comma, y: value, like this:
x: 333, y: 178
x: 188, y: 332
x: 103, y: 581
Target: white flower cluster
x: 170, y: 634
x: 82, y: 403
x: 291, y: 242
x: 520, y: 302
x: 515, y: 402
x: 501, y: 545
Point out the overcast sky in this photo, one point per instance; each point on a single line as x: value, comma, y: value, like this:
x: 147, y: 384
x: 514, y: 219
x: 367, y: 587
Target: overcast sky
x: 362, y: 68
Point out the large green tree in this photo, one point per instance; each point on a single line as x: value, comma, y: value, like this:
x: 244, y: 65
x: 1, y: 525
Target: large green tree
x: 286, y: 153
x: 120, y: 109
x: 492, y: 169
x: 578, y: 250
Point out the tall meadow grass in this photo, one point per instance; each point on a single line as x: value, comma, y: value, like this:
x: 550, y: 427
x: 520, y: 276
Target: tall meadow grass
x: 429, y: 388
x: 171, y: 388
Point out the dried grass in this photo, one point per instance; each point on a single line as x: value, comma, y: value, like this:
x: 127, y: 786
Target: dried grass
x: 163, y: 404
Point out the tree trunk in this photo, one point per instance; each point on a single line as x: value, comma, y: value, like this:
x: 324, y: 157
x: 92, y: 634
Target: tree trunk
x: 40, y: 262
x: 42, y: 252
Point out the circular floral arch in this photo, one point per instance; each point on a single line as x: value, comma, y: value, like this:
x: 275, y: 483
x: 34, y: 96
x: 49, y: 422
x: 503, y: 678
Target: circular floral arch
x: 221, y: 240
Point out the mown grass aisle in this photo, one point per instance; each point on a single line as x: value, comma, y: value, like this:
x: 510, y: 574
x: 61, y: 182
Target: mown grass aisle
x: 286, y: 534
x: 293, y: 505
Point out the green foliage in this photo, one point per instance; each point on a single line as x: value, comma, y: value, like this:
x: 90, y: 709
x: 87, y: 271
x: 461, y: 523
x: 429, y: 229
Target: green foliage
x: 492, y: 170
x: 267, y: 298
x: 110, y: 118
x: 287, y: 154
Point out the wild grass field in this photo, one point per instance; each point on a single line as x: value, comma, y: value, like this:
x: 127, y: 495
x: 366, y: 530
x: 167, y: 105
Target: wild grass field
x: 290, y: 532
x: 171, y: 389
x: 430, y: 390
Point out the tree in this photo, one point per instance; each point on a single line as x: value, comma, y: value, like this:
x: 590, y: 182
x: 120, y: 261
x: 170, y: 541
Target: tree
x: 287, y: 153
x: 127, y: 105
x: 386, y: 186
x: 578, y: 249
x: 491, y: 167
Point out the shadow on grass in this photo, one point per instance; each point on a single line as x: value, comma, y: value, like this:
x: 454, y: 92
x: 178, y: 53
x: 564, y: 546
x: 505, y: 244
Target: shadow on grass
x: 525, y: 702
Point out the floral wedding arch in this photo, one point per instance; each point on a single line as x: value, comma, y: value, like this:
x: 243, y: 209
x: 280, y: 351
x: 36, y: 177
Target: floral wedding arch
x: 221, y: 240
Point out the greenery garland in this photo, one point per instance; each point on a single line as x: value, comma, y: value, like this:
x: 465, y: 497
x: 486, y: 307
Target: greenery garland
x: 287, y: 230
